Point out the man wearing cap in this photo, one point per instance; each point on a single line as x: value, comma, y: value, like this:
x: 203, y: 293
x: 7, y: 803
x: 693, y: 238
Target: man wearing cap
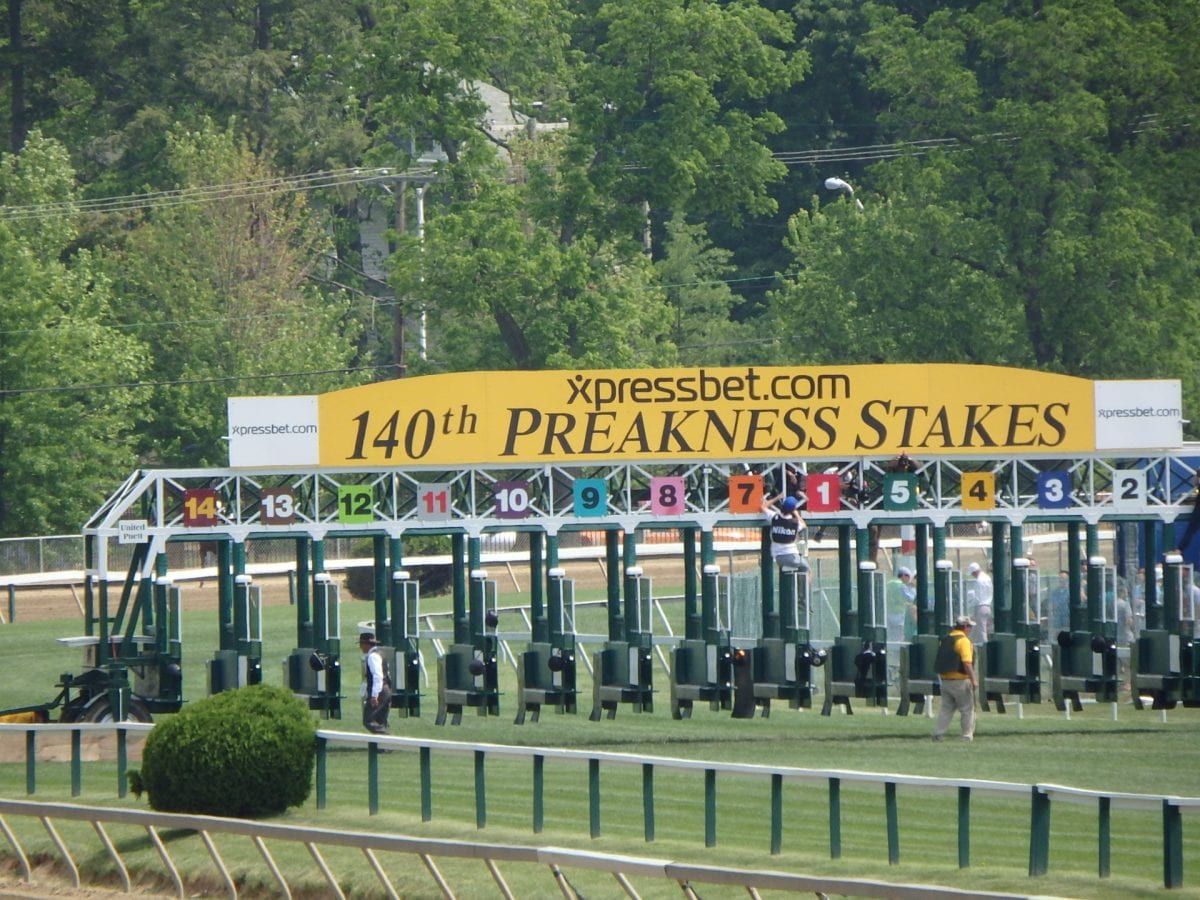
x: 786, y: 525
x: 376, y: 689
x: 982, y: 611
x: 955, y: 664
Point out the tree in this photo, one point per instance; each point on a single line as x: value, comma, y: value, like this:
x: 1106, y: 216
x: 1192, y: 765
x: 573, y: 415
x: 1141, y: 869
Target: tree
x: 68, y: 370
x: 691, y: 273
x: 502, y: 291
x: 1036, y: 240
x: 426, y: 63
x: 665, y: 111
x: 220, y: 290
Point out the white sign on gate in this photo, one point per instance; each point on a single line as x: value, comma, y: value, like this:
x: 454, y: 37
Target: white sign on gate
x: 132, y: 531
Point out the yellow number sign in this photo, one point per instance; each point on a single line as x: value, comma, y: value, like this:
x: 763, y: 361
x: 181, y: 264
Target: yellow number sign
x: 978, y: 490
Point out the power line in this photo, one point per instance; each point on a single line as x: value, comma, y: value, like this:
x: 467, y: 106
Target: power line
x: 200, y: 194
x: 358, y: 175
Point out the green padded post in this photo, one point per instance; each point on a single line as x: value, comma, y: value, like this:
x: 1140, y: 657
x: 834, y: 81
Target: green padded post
x: 539, y: 793
x: 648, y: 801
x: 964, y: 827
x: 480, y: 791
x: 710, y: 807
x: 426, y: 776
x: 776, y: 814
x: 835, y: 818
x: 1039, y: 833
x: 373, y: 779
x: 893, y: 822
x: 76, y: 762
x: 322, y: 772
x: 594, y: 797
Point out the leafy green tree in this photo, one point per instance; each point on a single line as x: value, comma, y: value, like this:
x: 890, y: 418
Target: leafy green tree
x: 68, y: 371
x: 692, y: 272
x: 220, y: 290
x: 667, y: 111
x: 503, y: 291
x: 425, y: 64
x: 1037, y: 240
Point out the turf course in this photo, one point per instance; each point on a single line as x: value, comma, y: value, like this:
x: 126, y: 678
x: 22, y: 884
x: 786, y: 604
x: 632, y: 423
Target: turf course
x: 1137, y: 753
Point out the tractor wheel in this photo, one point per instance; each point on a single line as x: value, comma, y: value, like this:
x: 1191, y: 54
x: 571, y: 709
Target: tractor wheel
x: 100, y: 710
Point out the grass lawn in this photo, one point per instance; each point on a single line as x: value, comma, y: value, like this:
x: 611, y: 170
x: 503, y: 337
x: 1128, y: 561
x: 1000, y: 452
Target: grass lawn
x: 1138, y: 752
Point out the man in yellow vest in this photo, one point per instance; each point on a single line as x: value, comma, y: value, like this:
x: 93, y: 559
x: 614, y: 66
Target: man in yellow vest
x: 955, y: 664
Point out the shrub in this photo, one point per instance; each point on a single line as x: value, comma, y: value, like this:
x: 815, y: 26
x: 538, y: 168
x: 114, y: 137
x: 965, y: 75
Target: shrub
x: 243, y: 753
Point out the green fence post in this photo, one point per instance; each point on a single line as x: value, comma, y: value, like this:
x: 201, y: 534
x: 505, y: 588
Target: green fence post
x: 776, y: 813
x: 893, y: 822
x: 710, y: 807
x: 648, y: 801
x: 835, y: 818
x: 76, y: 765
x: 1172, y: 846
x: 122, y: 763
x: 30, y: 762
x: 480, y: 791
x: 12, y: 603
x: 322, y: 781
x: 1105, y: 836
x: 1039, y: 833
x: 964, y: 827
x: 372, y: 778
x: 594, y: 797
x: 426, y: 785
x: 539, y: 787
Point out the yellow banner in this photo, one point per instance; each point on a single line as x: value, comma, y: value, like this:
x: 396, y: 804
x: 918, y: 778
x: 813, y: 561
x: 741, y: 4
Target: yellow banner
x: 745, y: 413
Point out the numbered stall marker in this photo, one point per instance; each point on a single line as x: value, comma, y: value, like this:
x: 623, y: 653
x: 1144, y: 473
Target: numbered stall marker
x: 278, y: 506
x: 745, y: 493
x: 354, y: 504
x: 824, y: 493
x: 512, y: 499
x: 1053, y: 490
x: 900, y: 490
x: 979, y: 490
x: 591, y: 497
x: 200, y: 508
x: 433, y: 502
x: 667, y: 495
x: 1129, y: 488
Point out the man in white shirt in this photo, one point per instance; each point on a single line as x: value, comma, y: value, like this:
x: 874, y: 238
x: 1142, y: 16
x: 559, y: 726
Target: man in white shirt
x: 376, y: 688
x: 786, y: 527
x: 982, y: 613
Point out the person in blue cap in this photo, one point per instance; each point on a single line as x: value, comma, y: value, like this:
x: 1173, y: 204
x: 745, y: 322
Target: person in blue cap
x: 786, y: 527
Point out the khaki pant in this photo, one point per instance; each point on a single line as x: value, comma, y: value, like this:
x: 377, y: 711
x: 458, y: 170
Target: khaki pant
x: 958, y: 694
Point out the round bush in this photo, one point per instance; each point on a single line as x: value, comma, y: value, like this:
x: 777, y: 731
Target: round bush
x: 242, y: 753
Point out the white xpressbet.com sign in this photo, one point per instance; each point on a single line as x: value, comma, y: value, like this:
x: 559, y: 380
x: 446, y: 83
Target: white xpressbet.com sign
x: 1139, y: 415
x: 273, y: 431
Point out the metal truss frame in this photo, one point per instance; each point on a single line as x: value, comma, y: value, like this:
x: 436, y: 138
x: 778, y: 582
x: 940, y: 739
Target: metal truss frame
x: 156, y: 496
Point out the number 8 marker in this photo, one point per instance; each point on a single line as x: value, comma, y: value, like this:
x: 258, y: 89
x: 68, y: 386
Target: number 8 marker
x: 666, y: 495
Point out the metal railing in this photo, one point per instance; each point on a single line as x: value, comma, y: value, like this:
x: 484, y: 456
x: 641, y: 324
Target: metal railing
x: 1040, y: 796
x: 553, y: 859
x: 1173, y: 808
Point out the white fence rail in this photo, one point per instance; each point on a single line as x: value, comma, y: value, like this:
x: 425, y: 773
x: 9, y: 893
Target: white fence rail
x: 555, y: 860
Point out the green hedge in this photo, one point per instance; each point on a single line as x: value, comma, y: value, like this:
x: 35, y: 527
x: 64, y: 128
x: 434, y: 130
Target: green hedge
x: 243, y: 753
